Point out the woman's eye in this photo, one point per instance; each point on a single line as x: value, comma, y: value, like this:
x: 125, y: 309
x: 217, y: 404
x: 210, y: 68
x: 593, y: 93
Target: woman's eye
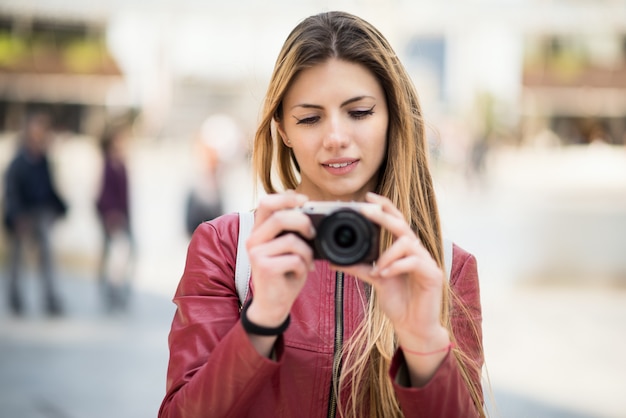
x: 360, y: 114
x: 307, y: 121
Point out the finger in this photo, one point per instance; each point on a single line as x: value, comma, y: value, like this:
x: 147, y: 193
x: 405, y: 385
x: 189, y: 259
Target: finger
x: 289, y: 266
x: 278, y: 222
x: 425, y: 273
x: 386, y: 204
x: 390, y: 218
x: 405, y: 265
x: 361, y: 271
x: 403, y: 247
x: 406, y: 250
x: 278, y: 201
x: 285, y: 245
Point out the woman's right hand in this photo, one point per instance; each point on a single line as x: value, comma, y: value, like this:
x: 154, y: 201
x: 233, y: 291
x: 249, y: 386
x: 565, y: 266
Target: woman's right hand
x: 280, y: 262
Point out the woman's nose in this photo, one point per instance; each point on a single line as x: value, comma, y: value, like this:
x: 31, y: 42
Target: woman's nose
x: 336, y: 135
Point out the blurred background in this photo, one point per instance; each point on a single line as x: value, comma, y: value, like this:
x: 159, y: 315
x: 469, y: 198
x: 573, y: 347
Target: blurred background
x: 525, y: 101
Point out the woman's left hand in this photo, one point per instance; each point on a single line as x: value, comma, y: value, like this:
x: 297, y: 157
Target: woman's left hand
x: 407, y: 280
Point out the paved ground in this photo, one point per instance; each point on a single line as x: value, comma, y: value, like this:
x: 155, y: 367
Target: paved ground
x: 86, y: 364
x: 555, y: 351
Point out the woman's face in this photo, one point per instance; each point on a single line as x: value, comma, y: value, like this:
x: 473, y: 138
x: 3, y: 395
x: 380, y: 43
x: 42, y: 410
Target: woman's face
x: 335, y: 120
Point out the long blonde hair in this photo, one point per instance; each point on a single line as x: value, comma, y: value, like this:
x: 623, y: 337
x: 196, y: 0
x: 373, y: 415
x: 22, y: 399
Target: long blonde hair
x: 404, y: 179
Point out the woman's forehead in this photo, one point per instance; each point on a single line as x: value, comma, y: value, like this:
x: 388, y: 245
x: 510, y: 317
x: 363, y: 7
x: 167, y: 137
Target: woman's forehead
x: 337, y: 79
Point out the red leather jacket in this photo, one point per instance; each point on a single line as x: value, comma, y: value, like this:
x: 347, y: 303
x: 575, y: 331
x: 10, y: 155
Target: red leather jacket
x: 214, y: 371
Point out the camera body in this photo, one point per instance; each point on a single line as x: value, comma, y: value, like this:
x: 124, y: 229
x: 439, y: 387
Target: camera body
x: 343, y: 235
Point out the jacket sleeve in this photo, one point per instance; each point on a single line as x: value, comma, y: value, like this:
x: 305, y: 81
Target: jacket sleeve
x: 446, y: 394
x: 213, y: 366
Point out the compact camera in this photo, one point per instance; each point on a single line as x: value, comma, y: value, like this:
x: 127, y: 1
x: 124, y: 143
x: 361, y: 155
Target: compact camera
x: 343, y: 235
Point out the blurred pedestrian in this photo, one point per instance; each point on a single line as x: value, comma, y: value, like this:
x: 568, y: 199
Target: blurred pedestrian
x: 219, y: 142
x: 31, y: 207
x: 113, y: 207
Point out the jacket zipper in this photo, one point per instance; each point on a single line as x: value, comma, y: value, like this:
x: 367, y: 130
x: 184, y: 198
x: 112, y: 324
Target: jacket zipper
x: 332, y: 405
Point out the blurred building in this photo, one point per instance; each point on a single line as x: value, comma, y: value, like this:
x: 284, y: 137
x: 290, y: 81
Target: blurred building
x: 542, y: 64
x: 60, y: 64
x: 575, y: 83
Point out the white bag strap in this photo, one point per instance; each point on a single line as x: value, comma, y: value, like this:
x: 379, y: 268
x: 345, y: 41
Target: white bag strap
x: 242, y: 263
x: 242, y: 267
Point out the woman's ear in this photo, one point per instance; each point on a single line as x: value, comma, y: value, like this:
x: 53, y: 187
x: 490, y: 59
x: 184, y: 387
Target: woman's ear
x: 283, y: 135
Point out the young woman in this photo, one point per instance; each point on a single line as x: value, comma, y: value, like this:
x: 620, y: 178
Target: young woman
x: 341, y: 122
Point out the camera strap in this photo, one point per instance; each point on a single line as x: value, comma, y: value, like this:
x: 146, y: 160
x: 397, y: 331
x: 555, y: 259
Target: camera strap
x: 242, y: 263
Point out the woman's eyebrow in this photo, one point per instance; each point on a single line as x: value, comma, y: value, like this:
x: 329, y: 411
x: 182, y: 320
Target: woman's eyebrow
x: 307, y: 106
x: 347, y: 102
x: 356, y: 99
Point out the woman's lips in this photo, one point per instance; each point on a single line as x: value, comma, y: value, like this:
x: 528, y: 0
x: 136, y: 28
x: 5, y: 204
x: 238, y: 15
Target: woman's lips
x: 340, y: 167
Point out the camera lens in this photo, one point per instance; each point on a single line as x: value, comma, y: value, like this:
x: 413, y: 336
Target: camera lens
x: 344, y: 237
